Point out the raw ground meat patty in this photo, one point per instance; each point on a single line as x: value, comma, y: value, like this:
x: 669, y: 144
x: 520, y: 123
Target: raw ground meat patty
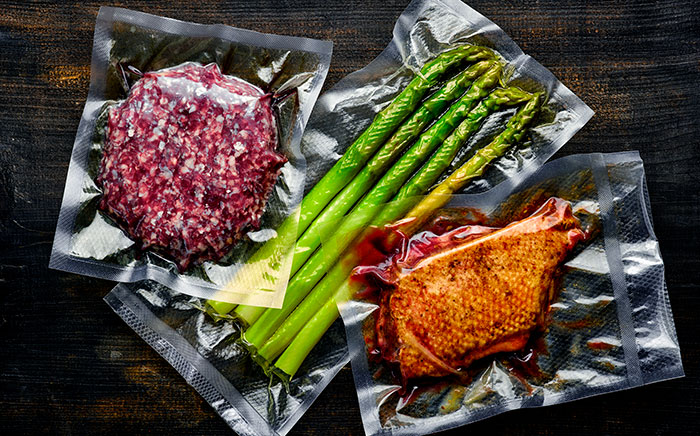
x: 189, y: 161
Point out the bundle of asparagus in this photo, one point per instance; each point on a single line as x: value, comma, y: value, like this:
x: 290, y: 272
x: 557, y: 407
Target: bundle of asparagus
x: 280, y: 339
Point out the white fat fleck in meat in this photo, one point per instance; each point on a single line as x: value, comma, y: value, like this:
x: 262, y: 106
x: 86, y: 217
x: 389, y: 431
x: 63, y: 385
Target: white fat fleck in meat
x: 238, y: 146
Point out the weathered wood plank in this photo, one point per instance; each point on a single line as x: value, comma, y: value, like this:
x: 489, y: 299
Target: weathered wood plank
x: 68, y: 365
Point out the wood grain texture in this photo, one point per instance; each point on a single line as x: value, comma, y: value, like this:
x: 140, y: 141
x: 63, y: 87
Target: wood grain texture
x: 68, y: 365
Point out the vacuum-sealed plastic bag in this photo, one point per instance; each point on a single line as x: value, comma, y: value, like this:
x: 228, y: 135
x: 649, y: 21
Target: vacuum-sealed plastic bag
x: 425, y: 29
x: 508, y: 116
x: 211, y: 359
x: 187, y: 157
x: 514, y: 298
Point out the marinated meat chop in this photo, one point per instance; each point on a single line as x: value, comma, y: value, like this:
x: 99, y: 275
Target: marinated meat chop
x: 477, y: 298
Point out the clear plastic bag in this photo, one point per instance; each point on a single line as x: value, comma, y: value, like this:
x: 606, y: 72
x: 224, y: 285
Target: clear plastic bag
x: 425, y: 29
x: 210, y: 358
x: 162, y: 60
x: 608, y: 328
x: 485, y: 153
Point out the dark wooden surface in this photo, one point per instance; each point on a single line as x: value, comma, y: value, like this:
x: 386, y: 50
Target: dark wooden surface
x: 68, y: 365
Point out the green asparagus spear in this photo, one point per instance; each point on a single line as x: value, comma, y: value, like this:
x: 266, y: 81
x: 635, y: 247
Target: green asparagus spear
x: 432, y: 108
x: 514, y: 132
x: 291, y: 359
x: 427, y: 176
x: 401, y: 203
x: 361, y: 215
x: 384, y: 125
x: 357, y: 154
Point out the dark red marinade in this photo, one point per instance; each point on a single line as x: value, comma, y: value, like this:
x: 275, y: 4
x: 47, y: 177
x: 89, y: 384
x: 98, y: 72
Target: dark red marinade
x: 190, y: 161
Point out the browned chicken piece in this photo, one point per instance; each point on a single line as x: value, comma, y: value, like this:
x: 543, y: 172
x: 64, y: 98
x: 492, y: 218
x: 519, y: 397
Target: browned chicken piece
x: 481, y: 297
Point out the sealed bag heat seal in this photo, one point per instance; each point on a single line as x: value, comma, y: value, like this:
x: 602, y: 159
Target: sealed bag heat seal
x: 513, y: 298
x: 187, y: 157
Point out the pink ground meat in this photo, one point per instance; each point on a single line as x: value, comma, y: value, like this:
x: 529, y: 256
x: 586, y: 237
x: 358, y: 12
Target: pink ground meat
x: 190, y: 161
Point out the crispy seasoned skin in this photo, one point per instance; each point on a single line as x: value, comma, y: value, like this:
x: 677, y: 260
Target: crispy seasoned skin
x: 477, y: 298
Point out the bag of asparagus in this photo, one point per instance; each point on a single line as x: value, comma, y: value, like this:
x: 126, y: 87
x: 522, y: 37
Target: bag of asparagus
x: 513, y: 298
x: 451, y: 105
